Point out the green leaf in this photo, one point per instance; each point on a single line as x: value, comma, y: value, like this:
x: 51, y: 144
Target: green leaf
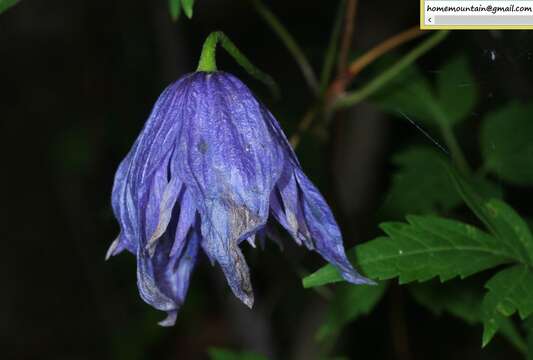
x: 422, y: 248
x: 409, y: 93
x: 528, y: 325
x: 223, y: 354
x: 460, y: 301
x: 444, y: 105
x: 6, y: 4
x: 421, y: 171
x: 175, y: 9
x: 349, y: 303
x: 507, y: 143
x: 510, y: 291
x: 499, y: 218
x: 464, y: 302
x: 456, y: 88
x: 187, y: 7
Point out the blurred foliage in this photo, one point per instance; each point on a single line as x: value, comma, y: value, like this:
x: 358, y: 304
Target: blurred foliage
x: 450, y: 100
x: 176, y: 6
x: 506, y: 143
x: 6, y: 4
x: 222, y: 354
x: 425, y: 182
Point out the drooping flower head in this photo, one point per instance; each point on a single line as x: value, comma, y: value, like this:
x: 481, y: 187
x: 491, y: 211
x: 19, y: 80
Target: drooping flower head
x: 208, y: 170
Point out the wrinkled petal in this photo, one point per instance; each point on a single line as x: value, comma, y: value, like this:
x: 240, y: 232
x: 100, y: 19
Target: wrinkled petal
x: 222, y: 229
x: 164, y: 280
x: 290, y: 195
x: 124, y: 211
x: 324, y: 230
x: 185, y: 221
x: 308, y: 218
x: 209, y: 169
x: 163, y: 204
x: 228, y: 157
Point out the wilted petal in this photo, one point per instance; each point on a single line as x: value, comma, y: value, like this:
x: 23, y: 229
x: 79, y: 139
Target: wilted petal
x: 223, y: 227
x: 185, y: 220
x: 164, y: 202
x: 124, y: 211
x: 324, y: 229
x: 164, y: 280
x: 290, y: 195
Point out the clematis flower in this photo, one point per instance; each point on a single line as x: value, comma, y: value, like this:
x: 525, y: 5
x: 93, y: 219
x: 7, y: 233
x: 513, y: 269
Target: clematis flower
x: 209, y: 169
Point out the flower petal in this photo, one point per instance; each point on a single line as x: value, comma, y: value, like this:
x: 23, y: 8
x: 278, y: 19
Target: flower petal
x: 163, y: 280
x: 324, y: 229
x: 223, y: 227
x: 186, y: 218
x: 307, y: 217
x: 123, y: 208
x: 165, y: 202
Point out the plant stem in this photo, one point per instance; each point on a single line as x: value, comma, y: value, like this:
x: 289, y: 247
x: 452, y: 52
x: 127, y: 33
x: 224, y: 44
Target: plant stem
x: 377, y: 83
x: 369, y: 57
x: 303, y: 125
x: 207, y: 62
x: 291, y: 45
x: 329, y: 59
x: 449, y: 137
x: 351, y: 8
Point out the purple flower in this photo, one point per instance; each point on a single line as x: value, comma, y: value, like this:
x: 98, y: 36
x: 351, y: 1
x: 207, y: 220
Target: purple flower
x: 208, y: 170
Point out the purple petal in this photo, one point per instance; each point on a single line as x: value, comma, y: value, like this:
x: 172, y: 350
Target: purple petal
x: 164, y: 280
x: 186, y: 218
x: 324, y: 229
x: 223, y: 227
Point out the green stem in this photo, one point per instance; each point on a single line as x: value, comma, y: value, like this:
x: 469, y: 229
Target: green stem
x: 352, y: 98
x: 449, y: 137
x: 329, y: 60
x: 290, y: 44
x: 207, y: 62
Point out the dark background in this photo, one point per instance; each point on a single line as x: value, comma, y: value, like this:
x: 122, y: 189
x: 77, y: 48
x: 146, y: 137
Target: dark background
x: 77, y: 81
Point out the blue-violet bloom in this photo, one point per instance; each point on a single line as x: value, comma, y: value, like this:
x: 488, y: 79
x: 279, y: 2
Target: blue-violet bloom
x: 208, y: 170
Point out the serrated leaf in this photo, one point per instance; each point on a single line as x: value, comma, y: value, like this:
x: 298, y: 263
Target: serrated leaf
x: 420, y: 172
x: 456, y: 89
x: 507, y: 143
x: 510, y: 291
x: 174, y: 7
x: 6, y: 4
x: 349, y: 303
x: 223, y: 354
x: 187, y: 7
x: 502, y: 221
x: 422, y: 248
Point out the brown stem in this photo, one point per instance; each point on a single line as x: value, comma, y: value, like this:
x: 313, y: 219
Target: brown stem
x: 346, y: 44
x: 303, y: 125
x: 339, y: 85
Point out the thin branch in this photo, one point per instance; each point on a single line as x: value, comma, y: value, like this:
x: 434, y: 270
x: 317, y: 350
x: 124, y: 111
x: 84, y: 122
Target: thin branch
x: 291, y: 45
x: 303, y: 126
x: 349, y: 18
x: 378, y: 82
x: 343, y: 80
x: 331, y: 53
x: 339, y: 85
x: 373, y: 54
